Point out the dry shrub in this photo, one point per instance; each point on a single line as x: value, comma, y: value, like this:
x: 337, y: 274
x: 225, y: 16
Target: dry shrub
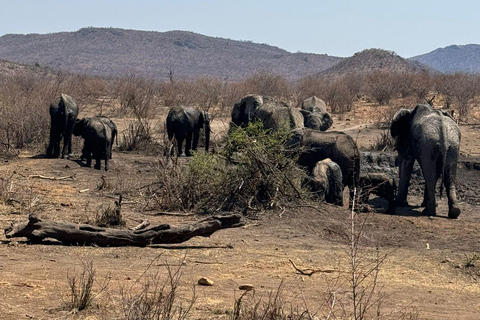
x: 459, y: 91
x: 268, y: 84
x: 341, y: 94
x: 250, y: 306
x: 155, y: 297
x: 7, y: 188
x: 81, y: 288
x: 251, y: 170
x: 110, y: 216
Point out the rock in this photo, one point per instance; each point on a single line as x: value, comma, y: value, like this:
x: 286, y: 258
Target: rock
x: 246, y: 287
x: 205, y: 281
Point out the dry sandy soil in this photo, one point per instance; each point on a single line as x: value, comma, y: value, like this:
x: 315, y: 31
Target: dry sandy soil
x: 431, y: 270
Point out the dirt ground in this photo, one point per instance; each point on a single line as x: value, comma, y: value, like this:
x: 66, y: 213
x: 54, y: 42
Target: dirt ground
x: 431, y: 269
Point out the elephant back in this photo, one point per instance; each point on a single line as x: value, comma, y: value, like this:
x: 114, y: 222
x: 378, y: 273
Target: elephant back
x: 314, y: 104
x: 275, y: 114
x: 338, y: 146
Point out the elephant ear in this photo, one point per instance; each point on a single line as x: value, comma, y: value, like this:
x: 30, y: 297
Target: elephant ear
x: 327, y: 121
x: 79, y: 126
x: 401, y: 123
x: 400, y: 129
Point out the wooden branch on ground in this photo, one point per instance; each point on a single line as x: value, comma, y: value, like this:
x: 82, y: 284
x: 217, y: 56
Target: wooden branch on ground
x: 142, y: 225
x: 309, y: 272
x: 39, y: 176
x: 174, y: 214
x: 36, y: 230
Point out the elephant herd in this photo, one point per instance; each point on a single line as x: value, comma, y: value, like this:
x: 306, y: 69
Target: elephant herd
x: 331, y: 158
x: 98, y: 132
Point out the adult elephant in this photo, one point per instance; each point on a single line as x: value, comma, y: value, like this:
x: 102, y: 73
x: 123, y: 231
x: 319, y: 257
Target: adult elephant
x: 184, y: 123
x: 315, y: 146
x: 63, y: 112
x: 433, y: 139
x: 315, y: 115
x: 98, y: 136
x: 271, y: 112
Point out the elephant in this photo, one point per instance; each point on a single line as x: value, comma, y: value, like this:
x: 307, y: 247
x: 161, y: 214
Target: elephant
x: 433, y: 139
x: 338, y: 146
x: 113, y: 128
x: 98, y: 137
x: 378, y: 183
x: 315, y: 115
x: 271, y: 112
x: 63, y: 113
x: 184, y: 123
x: 326, y: 181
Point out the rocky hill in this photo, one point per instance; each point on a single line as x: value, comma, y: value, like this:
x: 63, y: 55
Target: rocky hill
x: 373, y: 60
x: 11, y: 68
x: 452, y: 59
x: 118, y: 52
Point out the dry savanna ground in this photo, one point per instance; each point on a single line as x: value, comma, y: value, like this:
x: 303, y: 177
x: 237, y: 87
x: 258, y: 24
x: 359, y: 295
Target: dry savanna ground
x: 430, y: 270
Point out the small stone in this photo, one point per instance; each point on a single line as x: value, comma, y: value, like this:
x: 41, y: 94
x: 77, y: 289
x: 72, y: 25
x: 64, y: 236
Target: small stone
x: 205, y: 281
x: 246, y: 287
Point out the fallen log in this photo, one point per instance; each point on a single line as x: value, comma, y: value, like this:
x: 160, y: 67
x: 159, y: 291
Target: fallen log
x: 36, y: 230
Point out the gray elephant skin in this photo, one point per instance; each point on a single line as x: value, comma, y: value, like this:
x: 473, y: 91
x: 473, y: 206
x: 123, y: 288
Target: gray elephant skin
x: 380, y: 184
x: 433, y: 139
x: 97, y: 140
x: 271, y: 112
x: 184, y: 123
x: 326, y: 182
x: 113, y: 128
x: 63, y: 112
x: 338, y: 146
x: 315, y: 115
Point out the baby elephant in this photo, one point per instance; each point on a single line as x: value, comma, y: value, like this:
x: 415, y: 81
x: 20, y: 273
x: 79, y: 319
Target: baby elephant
x: 326, y: 181
x: 98, y: 138
x: 380, y: 184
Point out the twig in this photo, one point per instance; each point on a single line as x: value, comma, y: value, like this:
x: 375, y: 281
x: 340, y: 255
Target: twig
x: 175, y: 214
x: 52, y: 178
x: 142, y: 225
x: 207, y: 262
x: 309, y: 272
x: 123, y: 201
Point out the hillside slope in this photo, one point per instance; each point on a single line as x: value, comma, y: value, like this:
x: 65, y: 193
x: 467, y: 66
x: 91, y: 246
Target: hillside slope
x: 453, y: 58
x: 117, y: 52
x: 373, y: 60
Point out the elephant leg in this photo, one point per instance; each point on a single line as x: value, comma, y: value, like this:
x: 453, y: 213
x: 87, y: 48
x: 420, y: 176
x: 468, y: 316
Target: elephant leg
x: 67, y: 142
x: 51, y: 143
x: 56, y: 148
x: 405, y: 172
x: 89, y: 160
x: 430, y: 176
x: 449, y: 182
x: 88, y: 154
x: 179, y: 147
x: 196, y: 136
x: 98, y: 162
x: 106, y: 162
x: 188, y: 145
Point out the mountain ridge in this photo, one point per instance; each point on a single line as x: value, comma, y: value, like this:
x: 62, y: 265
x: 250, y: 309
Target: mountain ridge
x: 113, y: 51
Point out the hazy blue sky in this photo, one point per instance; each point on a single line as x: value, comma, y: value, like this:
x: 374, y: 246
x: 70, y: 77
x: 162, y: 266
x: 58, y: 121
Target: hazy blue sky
x: 335, y: 27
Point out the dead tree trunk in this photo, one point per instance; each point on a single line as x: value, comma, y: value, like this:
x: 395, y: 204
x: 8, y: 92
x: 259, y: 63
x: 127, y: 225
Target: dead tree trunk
x: 37, y: 230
